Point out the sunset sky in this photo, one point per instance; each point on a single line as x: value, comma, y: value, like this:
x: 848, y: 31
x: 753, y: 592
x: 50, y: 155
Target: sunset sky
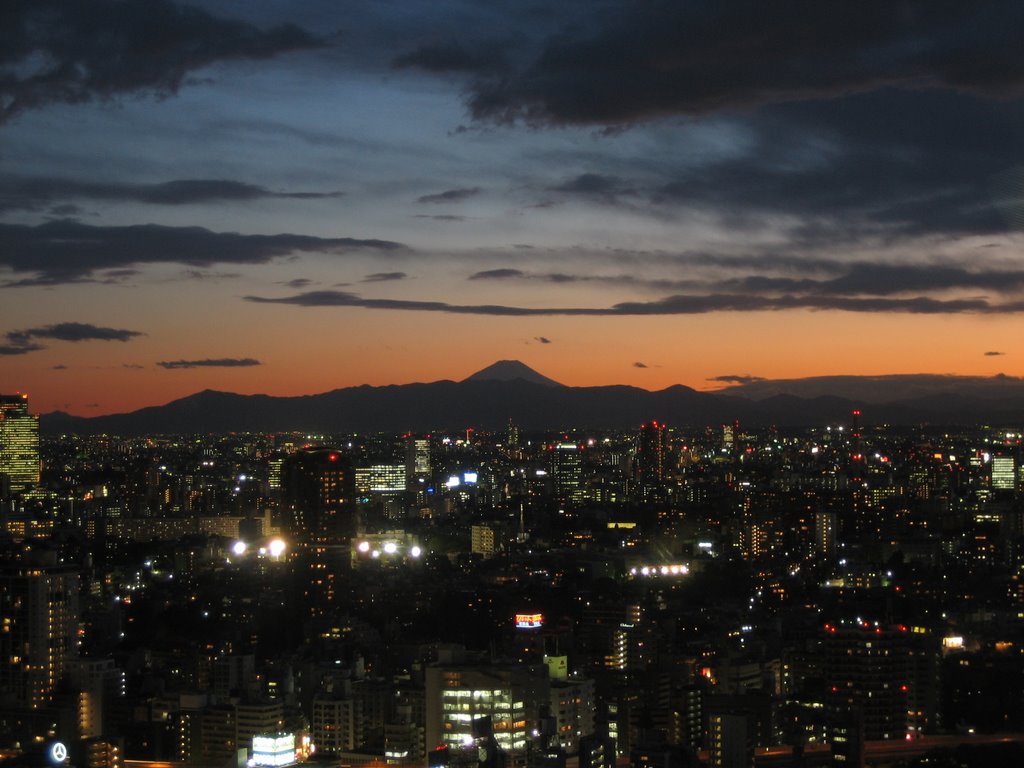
x: 290, y: 197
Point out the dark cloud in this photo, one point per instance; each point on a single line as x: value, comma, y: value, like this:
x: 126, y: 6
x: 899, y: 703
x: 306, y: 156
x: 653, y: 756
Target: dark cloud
x: 19, y: 349
x: 542, y: 339
x: 872, y: 167
x: 298, y: 282
x: 441, y: 217
x: 632, y: 62
x: 887, y: 280
x: 497, y: 274
x: 74, y: 332
x: 66, y: 209
x: 37, y: 193
x: 133, y: 366
x: 839, y: 278
x: 736, y: 379
x: 450, y: 196
x: 23, y: 341
x: 384, y: 277
x: 224, y: 362
x: 640, y: 365
x: 595, y: 186
x: 53, y: 51
x: 58, y: 368
x: 994, y: 354
x: 453, y: 57
x: 671, y: 305
x: 68, y: 251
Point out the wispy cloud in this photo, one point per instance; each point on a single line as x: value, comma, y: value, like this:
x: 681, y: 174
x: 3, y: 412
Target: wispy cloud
x: 223, y: 362
x: 384, y: 277
x: 733, y: 378
x: 37, y: 193
x: 450, y: 196
x: 671, y: 305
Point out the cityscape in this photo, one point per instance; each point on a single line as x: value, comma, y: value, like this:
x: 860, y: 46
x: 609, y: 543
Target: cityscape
x: 511, y: 384
x: 844, y: 594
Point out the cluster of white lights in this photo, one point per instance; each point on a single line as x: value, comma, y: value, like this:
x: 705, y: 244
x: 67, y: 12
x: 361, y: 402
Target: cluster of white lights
x: 660, y: 570
x: 388, y: 548
x: 275, y: 548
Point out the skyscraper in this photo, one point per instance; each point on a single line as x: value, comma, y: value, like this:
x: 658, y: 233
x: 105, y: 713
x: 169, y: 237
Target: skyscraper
x: 650, y: 453
x: 39, y: 631
x: 1004, y: 473
x: 318, y: 487
x: 567, y: 468
x: 19, y: 445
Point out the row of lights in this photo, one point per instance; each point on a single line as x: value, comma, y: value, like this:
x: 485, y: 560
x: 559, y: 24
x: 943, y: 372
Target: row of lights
x: 389, y: 548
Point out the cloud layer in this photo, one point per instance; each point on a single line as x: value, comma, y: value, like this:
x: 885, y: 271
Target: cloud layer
x: 54, y: 51
x: 68, y: 251
x: 636, y: 62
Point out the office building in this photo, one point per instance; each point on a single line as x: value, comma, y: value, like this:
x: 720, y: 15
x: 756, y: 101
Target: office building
x: 19, y: 446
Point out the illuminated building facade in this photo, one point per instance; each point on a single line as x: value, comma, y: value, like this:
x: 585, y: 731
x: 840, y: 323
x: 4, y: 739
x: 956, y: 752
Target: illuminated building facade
x: 567, y: 469
x: 1004, y: 473
x: 39, y: 614
x: 417, y: 464
x: 511, y: 696
x: 19, y: 445
x: 383, y: 479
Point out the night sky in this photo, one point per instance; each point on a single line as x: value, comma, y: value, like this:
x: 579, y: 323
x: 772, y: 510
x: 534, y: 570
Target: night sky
x: 290, y: 197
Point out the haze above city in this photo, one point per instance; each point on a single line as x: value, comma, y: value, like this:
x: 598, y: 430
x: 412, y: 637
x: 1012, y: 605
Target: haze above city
x: 290, y: 198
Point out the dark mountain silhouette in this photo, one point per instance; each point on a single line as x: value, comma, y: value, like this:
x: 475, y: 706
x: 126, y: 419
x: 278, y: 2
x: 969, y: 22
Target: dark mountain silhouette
x: 511, y: 370
x: 885, y: 389
x: 489, y: 403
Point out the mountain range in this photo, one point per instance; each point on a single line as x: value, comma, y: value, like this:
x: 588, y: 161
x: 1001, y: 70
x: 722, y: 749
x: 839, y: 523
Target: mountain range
x: 509, y: 389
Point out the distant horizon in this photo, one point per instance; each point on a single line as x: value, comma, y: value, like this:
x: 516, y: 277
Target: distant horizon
x: 752, y: 385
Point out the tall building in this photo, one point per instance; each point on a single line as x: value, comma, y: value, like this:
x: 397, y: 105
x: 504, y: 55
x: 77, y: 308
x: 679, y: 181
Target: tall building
x: 19, y: 445
x: 318, y: 488
x: 567, y: 469
x: 1004, y: 473
x: 417, y: 464
x: 39, y: 615
x: 650, y: 453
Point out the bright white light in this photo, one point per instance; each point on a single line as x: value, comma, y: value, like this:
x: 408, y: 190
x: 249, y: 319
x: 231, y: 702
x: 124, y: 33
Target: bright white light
x: 375, y: 553
x: 453, y: 482
x: 276, y: 547
x: 467, y: 740
x: 415, y: 551
x: 364, y: 546
x: 390, y: 548
x: 239, y: 548
x: 469, y: 477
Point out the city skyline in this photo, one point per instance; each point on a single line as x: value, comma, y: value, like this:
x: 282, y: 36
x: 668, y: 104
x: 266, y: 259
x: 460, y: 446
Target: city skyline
x: 292, y: 198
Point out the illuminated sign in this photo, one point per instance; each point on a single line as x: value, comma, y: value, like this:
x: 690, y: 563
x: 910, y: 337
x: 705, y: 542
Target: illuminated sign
x: 529, y: 620
x: 58, y: 752
x: 273, y: 750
